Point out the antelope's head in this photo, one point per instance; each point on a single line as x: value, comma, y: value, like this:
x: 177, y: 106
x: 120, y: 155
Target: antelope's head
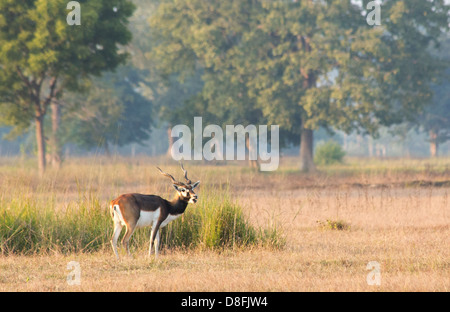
x: 185, y: 190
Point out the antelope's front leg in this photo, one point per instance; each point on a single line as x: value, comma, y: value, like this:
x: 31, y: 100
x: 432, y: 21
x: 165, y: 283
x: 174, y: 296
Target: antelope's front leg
x: 158, y: 237
x: 154, y: 234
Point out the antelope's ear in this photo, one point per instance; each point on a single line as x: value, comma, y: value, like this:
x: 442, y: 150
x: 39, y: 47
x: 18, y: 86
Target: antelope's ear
x: 176, y: 187
x: 195, y: 184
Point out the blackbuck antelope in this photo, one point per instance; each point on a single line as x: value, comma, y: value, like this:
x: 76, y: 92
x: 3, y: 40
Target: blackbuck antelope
x: 138, y: 210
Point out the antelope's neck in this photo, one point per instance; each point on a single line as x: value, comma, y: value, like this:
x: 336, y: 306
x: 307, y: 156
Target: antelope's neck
x: 177, y: 205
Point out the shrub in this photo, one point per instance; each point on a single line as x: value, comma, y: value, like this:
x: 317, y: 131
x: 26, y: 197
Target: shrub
x: 328, y: 153
x: 216, y: 223
x: 338, y: 225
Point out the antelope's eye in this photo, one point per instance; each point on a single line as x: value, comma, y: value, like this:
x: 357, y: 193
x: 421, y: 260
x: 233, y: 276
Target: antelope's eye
x: 183, y: 190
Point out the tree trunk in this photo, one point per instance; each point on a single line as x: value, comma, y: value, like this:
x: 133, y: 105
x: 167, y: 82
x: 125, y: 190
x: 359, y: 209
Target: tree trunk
x: 106, y: 148
x: 370, y: 146
x: 55, y: 156
x: 40, y: 140
x: 306, y: 136
x: 306, y: 151
x: 252, y: 163
x: 433, y: 143
x: 169, y: 135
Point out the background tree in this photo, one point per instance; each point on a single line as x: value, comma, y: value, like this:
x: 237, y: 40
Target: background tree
x: 167, y: 92
x: 111, y: 112
x: 41, y: 55
x: 435, y: 119
x: 213, y: 51
x: 306, y: 64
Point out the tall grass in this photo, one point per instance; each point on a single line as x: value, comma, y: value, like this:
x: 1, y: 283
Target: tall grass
x: 31, y: 225
x: 34, y: 224
x: 217, y: 223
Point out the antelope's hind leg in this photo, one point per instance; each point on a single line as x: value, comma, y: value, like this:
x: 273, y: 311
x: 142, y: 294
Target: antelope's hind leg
x: 117, y: 229
x: 127, y: 237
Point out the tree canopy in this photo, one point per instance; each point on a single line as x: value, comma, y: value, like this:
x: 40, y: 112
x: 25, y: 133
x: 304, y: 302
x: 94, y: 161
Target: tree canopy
x: 302, y: 65
x: 305, y: 64
x: 41, y: 55
x: 111, y: 112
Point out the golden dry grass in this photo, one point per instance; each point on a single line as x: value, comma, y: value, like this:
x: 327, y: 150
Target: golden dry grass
x: 404, y: 228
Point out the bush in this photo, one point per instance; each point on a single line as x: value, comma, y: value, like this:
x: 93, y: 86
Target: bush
x: 329, y: 153
x: 338, y: 225
x: 216, y: 222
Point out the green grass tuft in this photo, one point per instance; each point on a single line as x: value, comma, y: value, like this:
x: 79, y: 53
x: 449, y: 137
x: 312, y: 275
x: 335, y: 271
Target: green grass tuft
x: 338, y: 225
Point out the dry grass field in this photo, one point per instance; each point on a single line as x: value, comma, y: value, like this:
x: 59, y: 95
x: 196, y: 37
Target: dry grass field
x: 330, y: 225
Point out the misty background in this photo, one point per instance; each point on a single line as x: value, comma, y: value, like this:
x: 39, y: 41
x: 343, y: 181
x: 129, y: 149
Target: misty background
x: 129, y: 108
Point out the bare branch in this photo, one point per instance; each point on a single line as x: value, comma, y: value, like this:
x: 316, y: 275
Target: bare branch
x: 24, y: 79
x: 51, y: 94
x: 33, y: 93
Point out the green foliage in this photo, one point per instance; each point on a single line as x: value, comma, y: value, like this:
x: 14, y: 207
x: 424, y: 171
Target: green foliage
x: 41, y: 55
x: 36, y: 44
x: 328, y: 153
x: 207, y: 39
x: 112, y: 111
x: 217, y: 222
x: 435, y: 118
x: 29, y: 225
x: 304, y: 64
x: 212, y: 225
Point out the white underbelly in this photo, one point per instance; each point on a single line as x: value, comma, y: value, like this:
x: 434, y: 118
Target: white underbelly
x: 148, y: 218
